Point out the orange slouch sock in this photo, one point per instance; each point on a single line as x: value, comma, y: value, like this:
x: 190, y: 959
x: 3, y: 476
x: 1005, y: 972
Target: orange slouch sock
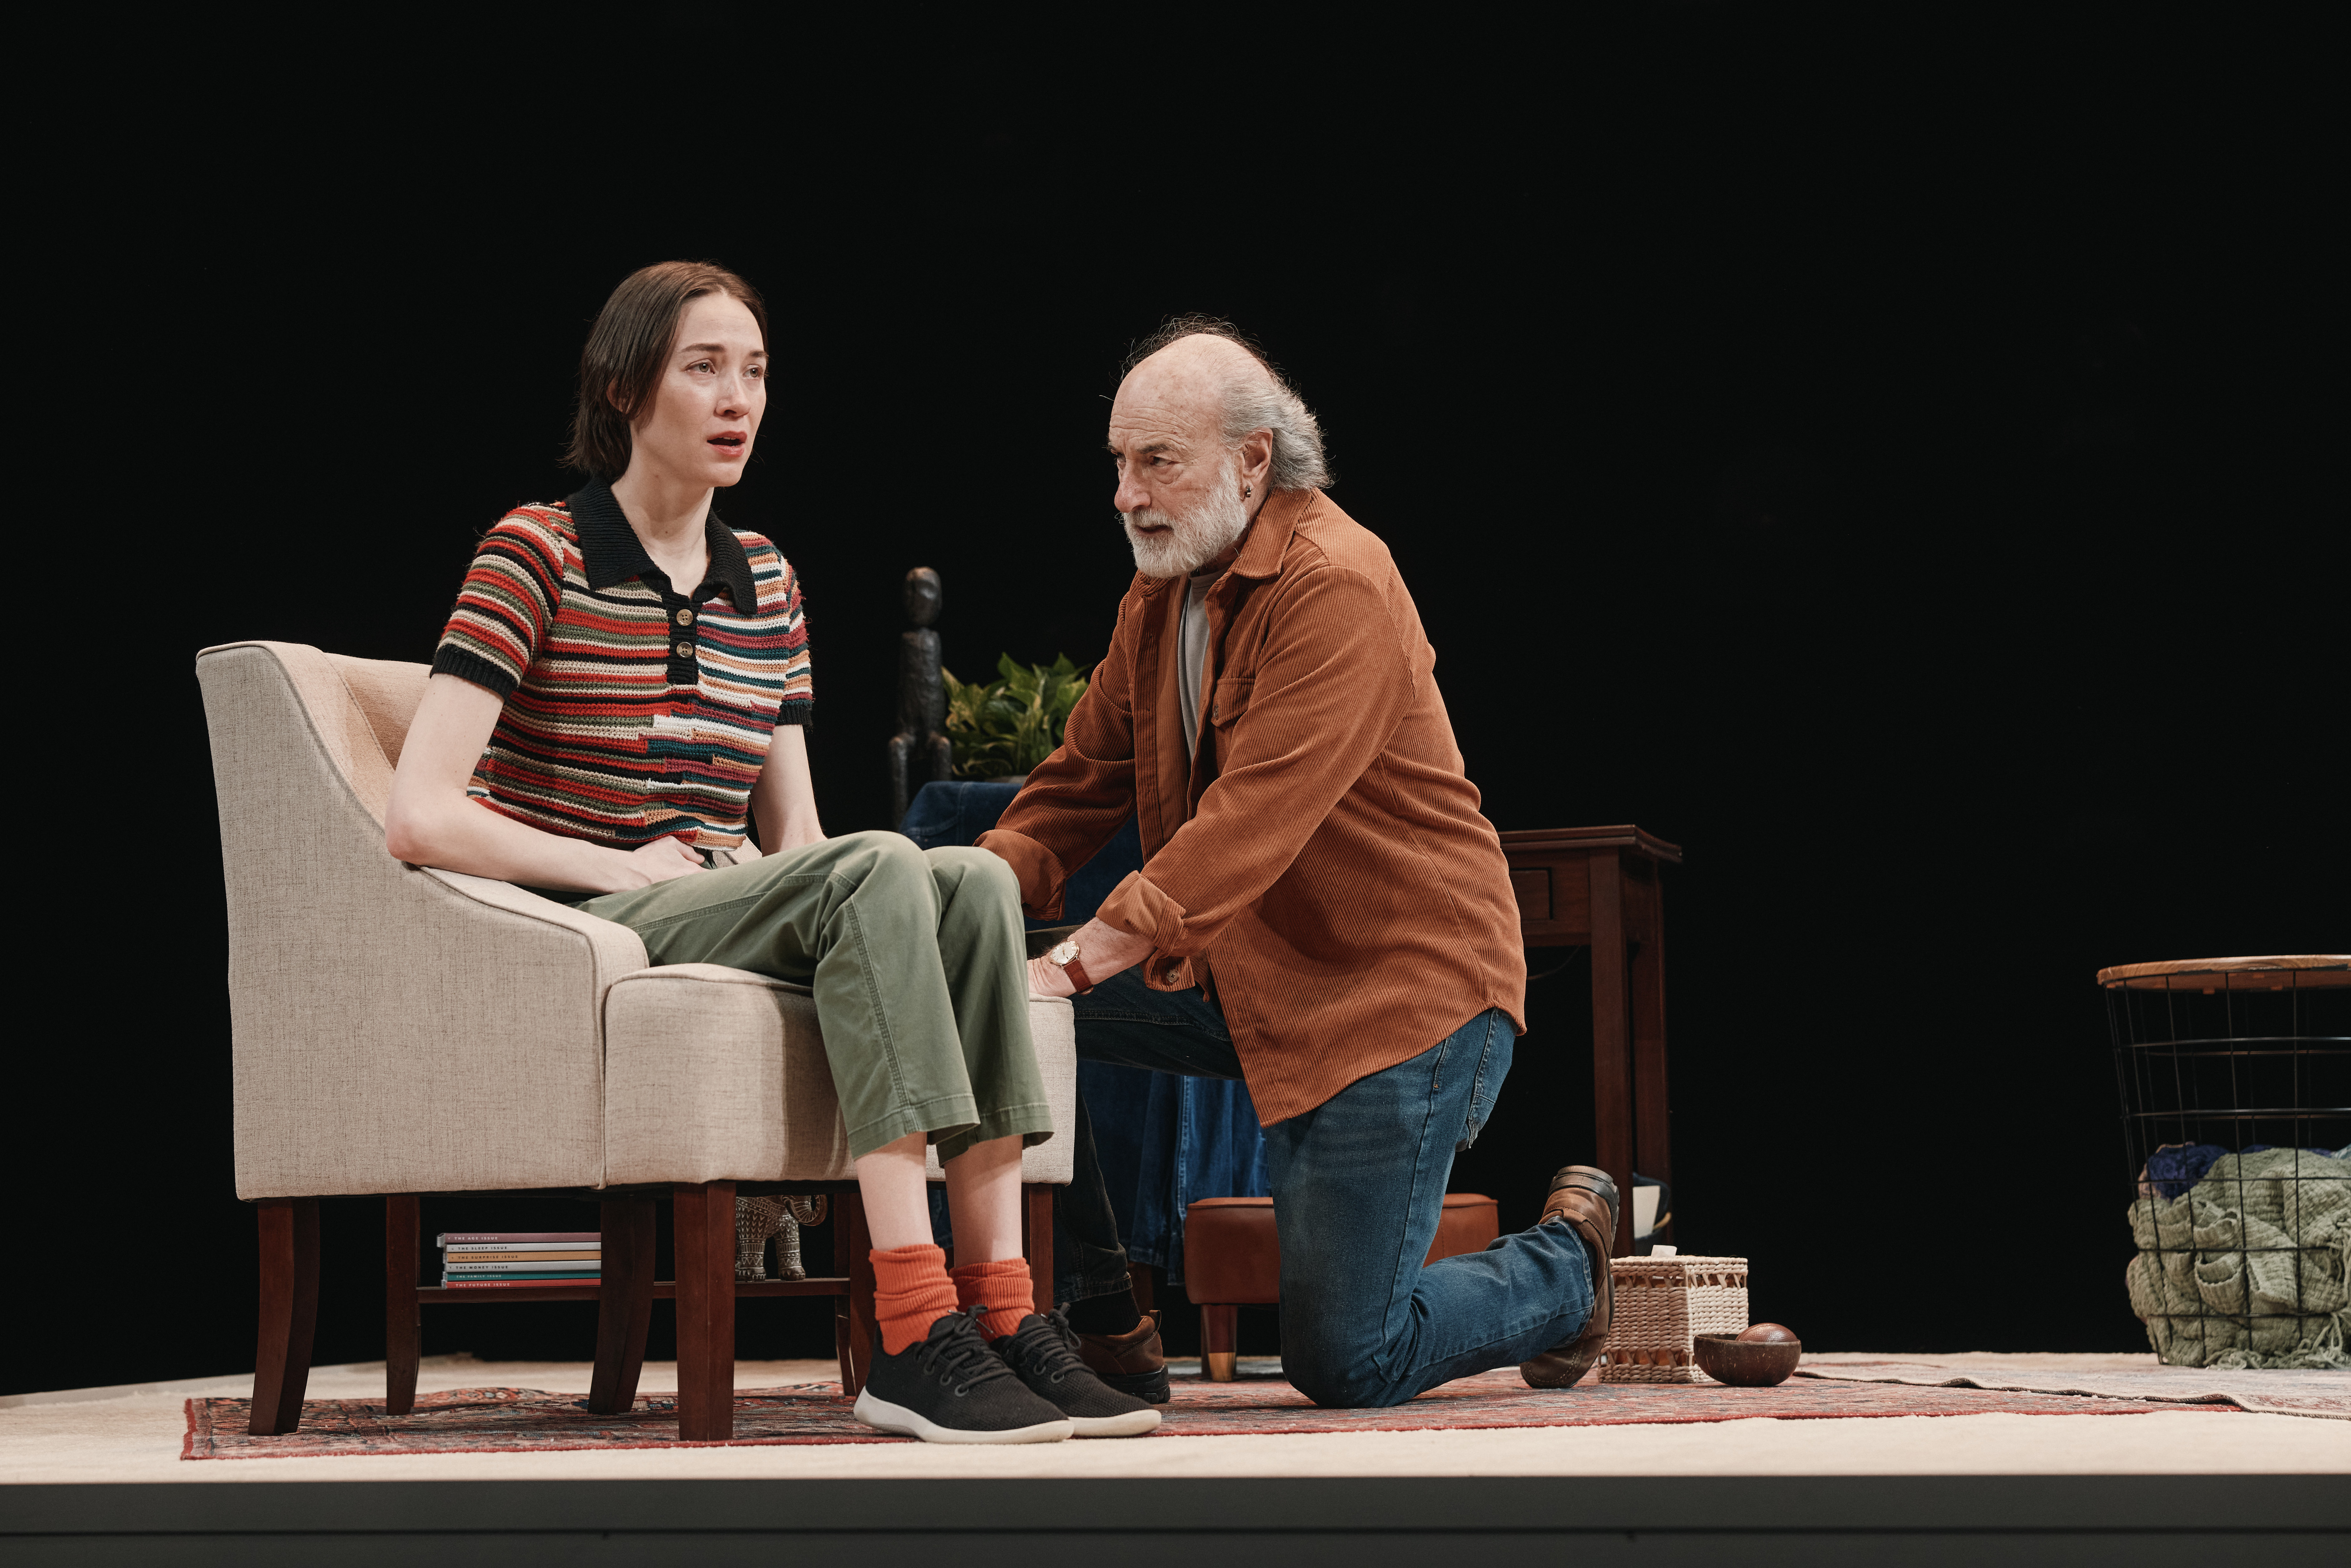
x: 1003, y: 1288
x: 911, y: 1292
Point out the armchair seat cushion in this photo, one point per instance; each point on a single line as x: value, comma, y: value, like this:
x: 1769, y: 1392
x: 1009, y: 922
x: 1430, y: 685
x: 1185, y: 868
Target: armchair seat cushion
x: 718, y: 1074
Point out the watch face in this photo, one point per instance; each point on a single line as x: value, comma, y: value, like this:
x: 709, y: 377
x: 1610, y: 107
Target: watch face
x: 1061, y: 954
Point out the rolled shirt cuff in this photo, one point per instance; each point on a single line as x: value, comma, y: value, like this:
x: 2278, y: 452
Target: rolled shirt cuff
x: 1139, y: 907
x: 1042, y: 880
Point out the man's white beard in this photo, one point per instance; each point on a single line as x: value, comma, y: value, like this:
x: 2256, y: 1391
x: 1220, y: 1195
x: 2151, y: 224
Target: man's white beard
x: 1194, y: 539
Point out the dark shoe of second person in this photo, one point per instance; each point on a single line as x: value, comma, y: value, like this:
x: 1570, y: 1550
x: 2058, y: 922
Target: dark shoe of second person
x: 950, y: 1387
x: 1044, y: 1350
x: 1130, y: 1363
x: 1584, y: 1200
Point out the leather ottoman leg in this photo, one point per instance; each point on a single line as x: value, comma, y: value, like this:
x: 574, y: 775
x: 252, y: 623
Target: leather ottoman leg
x: 1219, y: 1339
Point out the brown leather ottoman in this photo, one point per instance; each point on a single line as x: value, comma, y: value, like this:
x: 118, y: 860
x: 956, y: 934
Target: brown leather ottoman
x: 1232, y: 1258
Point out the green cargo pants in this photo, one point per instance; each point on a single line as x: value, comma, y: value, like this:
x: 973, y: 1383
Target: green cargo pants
x: 918, y: 960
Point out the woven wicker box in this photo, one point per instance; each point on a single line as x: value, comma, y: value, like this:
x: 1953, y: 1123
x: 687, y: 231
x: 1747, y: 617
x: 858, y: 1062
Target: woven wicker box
x: 1662, y: 1303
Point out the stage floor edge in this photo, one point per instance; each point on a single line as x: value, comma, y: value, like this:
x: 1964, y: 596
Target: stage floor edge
x: 2276, y: 1520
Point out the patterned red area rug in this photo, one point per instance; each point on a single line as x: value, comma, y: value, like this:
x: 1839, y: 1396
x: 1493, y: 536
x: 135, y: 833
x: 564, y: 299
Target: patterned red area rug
x: 506, y: 1420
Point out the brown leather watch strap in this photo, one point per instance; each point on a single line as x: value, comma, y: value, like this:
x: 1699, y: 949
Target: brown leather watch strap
x: 1076, y: 970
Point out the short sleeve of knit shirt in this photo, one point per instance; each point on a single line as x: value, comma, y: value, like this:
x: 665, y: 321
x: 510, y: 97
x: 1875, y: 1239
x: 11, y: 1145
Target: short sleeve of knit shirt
x: 509, y: 601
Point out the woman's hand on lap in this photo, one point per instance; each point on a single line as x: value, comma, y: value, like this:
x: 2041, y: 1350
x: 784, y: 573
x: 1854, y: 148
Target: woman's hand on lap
x: 665, y: 859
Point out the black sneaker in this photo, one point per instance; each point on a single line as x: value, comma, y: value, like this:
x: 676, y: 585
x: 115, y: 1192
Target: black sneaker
x: 950, y: 1387
x: 1044, y: 1350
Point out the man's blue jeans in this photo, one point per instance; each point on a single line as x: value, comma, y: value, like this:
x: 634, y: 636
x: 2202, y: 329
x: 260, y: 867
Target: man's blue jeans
x: 1358, y: 1184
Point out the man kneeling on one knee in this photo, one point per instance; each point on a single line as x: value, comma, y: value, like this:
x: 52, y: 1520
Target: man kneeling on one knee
x: 1323, y: 912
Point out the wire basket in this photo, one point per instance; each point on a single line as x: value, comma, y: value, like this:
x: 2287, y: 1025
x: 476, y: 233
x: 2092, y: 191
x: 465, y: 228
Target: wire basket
x: 2235, y: 1078
x: 1662, y: 1305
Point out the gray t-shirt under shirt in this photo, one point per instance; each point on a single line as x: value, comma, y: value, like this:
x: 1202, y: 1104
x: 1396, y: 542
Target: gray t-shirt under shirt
x: 1192, y: 655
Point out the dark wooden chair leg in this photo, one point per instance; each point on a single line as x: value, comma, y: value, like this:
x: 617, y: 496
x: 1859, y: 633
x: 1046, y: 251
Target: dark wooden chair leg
x: 289, y: 1312
x: 401, y: 1325
x: 1219, y: 1341
x: 853, y: 1257
x: 706, y: 1312
x: 841, y: 1304
x: 625, y: 1304
x: 1037, y: 1242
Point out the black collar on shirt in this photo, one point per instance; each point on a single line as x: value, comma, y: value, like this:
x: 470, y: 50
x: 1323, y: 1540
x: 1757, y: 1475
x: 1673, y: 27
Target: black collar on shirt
x: 611, y: 551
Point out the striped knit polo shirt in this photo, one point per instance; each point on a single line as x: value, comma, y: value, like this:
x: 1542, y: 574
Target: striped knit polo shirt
x: 632, y: 711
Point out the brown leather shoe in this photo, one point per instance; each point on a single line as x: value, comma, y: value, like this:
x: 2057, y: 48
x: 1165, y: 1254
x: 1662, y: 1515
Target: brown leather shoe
x: 1583, y: 1199
x: 1132, y: 1363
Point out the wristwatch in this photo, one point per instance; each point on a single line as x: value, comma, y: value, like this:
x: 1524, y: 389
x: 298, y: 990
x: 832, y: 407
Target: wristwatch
x: 1063, y: 956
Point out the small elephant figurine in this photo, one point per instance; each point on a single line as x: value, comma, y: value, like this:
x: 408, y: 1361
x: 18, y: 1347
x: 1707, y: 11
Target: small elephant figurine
x: 758, y: 1218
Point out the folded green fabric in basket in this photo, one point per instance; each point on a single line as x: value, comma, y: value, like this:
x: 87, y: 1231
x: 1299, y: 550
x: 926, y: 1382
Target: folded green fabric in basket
x: 2247, y: 1269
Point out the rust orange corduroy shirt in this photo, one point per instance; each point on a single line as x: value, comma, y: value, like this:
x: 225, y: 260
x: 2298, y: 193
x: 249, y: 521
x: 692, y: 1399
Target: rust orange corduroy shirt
x: 1320, y: 865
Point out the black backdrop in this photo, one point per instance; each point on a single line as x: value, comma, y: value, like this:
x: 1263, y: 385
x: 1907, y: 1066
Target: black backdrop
x: 1903, y: 468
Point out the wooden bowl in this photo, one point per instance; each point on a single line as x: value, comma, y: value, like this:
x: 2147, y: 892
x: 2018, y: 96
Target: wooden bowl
x: 1744, y: 1364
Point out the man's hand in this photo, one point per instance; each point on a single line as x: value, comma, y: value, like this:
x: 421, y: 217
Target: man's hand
x: 1102, y: 951
x: 665, y: 859
x: 1045, y: 980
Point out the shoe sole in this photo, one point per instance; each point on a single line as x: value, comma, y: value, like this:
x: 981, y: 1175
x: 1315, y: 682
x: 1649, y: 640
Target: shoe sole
x: 1134, y: 1423
x: 897, y: 1418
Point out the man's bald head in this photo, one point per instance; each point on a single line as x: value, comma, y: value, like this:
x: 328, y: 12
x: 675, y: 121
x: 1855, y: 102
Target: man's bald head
x: 1204, y: 373
x: 1203, y: 370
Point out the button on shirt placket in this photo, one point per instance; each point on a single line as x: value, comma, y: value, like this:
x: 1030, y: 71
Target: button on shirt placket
x: 684, y: 676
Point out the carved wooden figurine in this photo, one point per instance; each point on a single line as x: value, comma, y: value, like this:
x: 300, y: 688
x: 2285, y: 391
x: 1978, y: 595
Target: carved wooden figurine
x: 758, y: 1218
x: 919, y: 752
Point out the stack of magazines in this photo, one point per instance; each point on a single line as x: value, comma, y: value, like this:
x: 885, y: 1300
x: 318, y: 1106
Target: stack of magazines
x: 495, y: 1259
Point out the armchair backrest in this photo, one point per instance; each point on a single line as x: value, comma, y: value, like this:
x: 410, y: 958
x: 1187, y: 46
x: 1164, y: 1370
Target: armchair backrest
x: 395, y: 1028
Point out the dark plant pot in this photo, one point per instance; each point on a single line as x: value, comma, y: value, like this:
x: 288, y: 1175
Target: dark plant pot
x: 1746, y: 1363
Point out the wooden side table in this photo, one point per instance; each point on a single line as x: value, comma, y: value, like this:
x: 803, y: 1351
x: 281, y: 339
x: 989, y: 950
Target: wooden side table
x: 1597, y: 888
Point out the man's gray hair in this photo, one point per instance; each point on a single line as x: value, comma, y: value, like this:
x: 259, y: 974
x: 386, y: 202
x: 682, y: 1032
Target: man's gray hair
x: 1251, y: 404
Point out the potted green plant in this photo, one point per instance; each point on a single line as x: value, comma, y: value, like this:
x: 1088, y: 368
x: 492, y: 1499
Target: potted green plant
x: 1004, y: 728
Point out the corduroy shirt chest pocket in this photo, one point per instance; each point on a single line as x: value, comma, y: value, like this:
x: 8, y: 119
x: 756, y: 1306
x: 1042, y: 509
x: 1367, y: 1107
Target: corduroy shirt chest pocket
x: 1228, y: 701
x: 1231, y: 700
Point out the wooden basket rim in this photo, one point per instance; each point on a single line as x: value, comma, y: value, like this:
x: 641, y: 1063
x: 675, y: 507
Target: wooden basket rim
x: 2267, y: 964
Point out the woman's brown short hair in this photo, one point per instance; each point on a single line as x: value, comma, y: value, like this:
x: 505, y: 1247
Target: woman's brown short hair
x: 626, y: 352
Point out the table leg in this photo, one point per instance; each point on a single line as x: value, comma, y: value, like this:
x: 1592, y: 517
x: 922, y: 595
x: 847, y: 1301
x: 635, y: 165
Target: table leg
x: 1652, y: 1144
x: 1611, y: 1052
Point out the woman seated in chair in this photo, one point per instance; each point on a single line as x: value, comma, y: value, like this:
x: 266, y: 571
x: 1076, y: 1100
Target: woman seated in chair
x: 624, y: 681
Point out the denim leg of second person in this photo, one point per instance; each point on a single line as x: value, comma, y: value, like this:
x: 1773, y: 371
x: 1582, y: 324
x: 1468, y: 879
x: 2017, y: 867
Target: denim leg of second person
x: 1358, y: 1187
x: 1125, y: 1022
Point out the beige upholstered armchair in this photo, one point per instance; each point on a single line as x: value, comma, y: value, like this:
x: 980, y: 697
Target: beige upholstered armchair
x: 402, y: 1031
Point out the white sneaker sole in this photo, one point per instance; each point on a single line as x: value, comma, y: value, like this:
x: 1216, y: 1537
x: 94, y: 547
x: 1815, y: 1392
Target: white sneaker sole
x: 892, y: 1418
x: 1134, y: 1423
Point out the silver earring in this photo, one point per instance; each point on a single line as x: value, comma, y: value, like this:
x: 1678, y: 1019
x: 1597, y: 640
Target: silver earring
x: 1244, y: 492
